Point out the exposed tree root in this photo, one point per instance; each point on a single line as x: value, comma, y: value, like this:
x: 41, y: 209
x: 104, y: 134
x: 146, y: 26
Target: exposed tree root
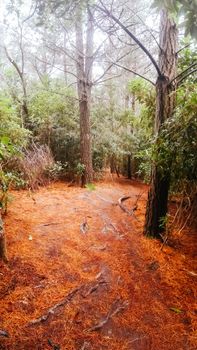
x: 125, y: 209
x: 52, y: 310
x: 116, y: 307
x: 106, y: 200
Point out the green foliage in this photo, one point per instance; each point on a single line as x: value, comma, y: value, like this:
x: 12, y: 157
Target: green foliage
x: 6, y: 150
x: 90, y: 187
x: 142, y: 125
x: 55, y: 171
x: 80, y: 168
x: 175, y: 150
x: 54, y: 121
x: 176, y: 310
x: 11, y: 124
x: 177, y: 144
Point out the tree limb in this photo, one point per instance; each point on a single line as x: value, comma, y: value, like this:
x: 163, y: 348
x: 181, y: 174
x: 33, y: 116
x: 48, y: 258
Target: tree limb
x: 187, y: 75
x: 184, y: 71
x: 131, y: 71
x: 109, y: 14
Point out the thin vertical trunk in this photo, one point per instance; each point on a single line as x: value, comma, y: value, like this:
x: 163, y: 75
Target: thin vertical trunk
x: 23, y: 101
x: 65, y: 60
x: 165, y: 101
x: 129, y: 166
x: 84, y: 72
x: 3, y: 251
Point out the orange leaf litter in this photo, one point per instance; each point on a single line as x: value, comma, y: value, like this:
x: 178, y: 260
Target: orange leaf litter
x: 49, y: 256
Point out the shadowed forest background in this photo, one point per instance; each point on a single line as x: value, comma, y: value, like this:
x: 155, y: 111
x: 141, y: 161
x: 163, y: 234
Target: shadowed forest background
x: 98, y: 184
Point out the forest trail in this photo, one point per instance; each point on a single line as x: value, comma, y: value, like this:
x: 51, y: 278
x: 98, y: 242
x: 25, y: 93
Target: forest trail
x: 82, y: 276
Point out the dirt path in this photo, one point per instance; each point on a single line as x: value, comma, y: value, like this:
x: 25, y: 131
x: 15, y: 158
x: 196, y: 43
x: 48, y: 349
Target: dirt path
x: 118, y: 290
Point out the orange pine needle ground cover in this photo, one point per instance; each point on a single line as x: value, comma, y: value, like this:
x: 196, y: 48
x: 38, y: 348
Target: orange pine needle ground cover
x: 132, y: 295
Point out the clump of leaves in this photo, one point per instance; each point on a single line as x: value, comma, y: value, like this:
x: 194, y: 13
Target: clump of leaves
x: 90, y: 186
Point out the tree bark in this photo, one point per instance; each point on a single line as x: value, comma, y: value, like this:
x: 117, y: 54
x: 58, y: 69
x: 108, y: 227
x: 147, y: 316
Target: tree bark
x: 84, y: 84
x: 129, y: 166
x: 156, y: 210
x: 3, y: 250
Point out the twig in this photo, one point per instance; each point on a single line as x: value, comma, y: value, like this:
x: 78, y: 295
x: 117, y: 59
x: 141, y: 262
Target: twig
x: 4, y: 333
x: 84, y: 346
x: 50, y: 224
x: 54, y: 346
x: 84, y: 226
x: 116, y: 307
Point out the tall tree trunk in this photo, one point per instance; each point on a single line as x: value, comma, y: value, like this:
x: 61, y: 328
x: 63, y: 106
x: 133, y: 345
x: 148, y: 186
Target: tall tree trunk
x: 3, y: 251
x: 129, y: 166
x: 84, y: 72
x: 165, y: 101
x: 65, y: 59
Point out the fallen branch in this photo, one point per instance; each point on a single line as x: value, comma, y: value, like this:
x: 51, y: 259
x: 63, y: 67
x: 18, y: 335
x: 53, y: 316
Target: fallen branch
x: 116, y: 307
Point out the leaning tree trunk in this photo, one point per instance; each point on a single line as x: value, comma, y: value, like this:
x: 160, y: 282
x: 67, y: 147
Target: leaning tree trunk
x: 3, y: 251
x: 84, y: 72
x: 156, y: 210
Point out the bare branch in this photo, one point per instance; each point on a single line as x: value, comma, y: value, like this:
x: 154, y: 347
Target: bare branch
x: 31, y: 14
x: 182, y: 48
x: 131, y: 71
x: 110, y: 78
x: 107, y: 12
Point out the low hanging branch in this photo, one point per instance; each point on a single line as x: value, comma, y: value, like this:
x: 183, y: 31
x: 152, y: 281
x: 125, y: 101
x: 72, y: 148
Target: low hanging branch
x: 185, y: 73
x: 185, y: 76
x: 131, y: 71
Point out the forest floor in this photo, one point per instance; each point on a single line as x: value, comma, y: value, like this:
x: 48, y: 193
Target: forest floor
x: 81, y: 275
